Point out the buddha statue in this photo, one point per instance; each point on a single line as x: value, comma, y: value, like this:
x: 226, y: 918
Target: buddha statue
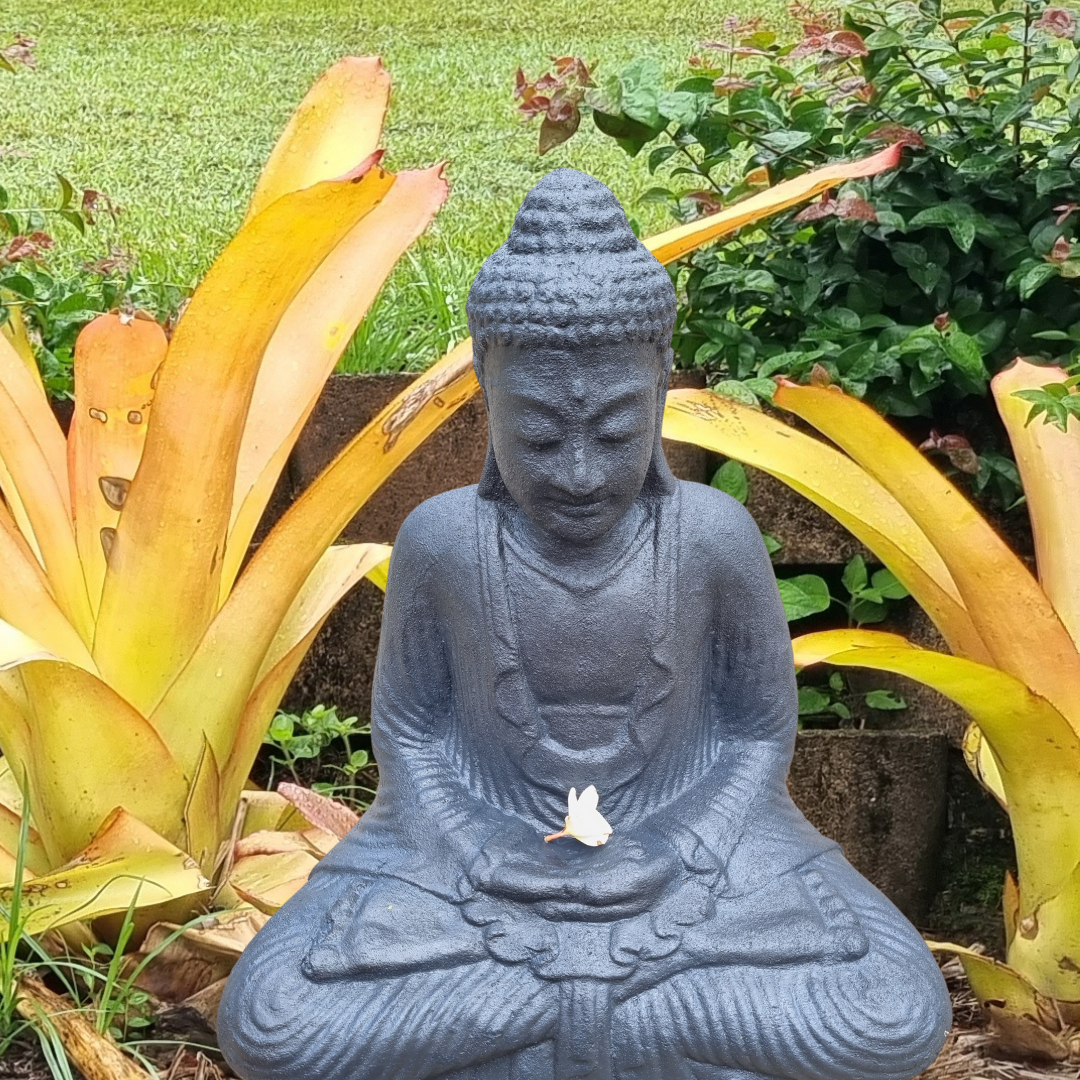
x: 581, y: 619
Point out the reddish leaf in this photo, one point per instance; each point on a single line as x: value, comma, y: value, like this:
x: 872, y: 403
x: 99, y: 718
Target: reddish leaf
x: 707, y: 202
x: 826, y: 207
x: 555, y: 132
x: 20, y: 52
x: 845, y: 43
x: 28, y: 247
x: 897, y: 133
x: 955, y: 447
x: 1059, y: 22
x: 728, y: 84
x: 1065, y: 211
x: 328, y: 814
x: 1061, y: 251
x: 856, y: 209
x: 819, y: 376
x: 93, y: 202
x: 941, y: 324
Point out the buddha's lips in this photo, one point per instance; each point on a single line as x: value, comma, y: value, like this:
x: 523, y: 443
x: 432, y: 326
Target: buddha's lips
x: 579, y: 509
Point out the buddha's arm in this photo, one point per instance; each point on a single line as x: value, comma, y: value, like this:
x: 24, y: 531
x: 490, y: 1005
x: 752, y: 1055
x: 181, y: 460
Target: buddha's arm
x: 753, y: 702
x: 422, y: 797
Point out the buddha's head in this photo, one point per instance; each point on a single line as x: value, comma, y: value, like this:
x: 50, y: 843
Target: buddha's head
x: 571, y: 322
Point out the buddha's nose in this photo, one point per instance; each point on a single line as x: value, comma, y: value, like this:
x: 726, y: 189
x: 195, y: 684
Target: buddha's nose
x: 579, y: 478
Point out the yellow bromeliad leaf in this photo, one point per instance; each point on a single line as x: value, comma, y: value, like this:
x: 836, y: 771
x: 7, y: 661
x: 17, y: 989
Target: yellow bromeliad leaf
x: 203, y: 814
x: 125, y: 861
x: 979, y: 756
x: 115, y: 362
x: 91, y: 751
x: 340, y: 568
x: 836, y: 484
x: 1025, y: 1021
x: 1038, y: 751
x: 337, y: 124
x: 309, y: 342
x: 14, y: 329
x: 27, y: 601
x: 83, y: 748
x: 214, y: 687
x: 334, y: 575
x: 39, y: 504
x: 161, y: 586
x: 11, y: 811
x: 1016, y: 622
x: 28, y: 397
x: 1049, y: 463
x: 267, y: 881
x: 680, y: 241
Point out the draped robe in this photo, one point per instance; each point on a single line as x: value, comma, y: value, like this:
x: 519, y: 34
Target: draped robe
x: 766, y: 955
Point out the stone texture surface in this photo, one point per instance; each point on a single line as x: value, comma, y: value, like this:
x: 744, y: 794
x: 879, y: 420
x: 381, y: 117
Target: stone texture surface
x: 881, y: 795
x: 340, y: 666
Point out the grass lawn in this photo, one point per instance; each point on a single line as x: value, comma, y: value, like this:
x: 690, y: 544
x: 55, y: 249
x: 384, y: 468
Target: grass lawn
x: 171, y: 107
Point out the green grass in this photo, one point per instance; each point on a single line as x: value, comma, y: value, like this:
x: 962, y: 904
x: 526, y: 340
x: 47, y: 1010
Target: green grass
x: 171, y: 107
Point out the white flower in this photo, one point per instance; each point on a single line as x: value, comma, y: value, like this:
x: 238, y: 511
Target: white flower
x: 584, y: 822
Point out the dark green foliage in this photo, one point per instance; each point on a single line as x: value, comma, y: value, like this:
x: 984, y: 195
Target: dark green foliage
x: 53, y: 306
x: 911, y: 289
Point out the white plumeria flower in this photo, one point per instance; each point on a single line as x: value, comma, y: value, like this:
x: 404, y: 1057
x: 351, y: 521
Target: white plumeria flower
x: 584, y: 822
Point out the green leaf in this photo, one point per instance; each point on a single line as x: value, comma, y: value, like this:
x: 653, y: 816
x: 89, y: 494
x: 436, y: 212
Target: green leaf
x: 865, y: 610
x: 1035, y: 277
x: 785, y: 142
x: 812, y: 702
x: 855, y: 576
x: 885, y: 700
x: 772, y: 545
x: 681, y: 107
x: 737, y: 391
x: 806, y: 594
x: 630, y: 134
x: 838, y: 708
x: 885, y: 38
x: 642, y: 84
x: 731, y: 478
x: 886, y: 583
x: 67, y: 192
x: 836, y: 682
x: 966, y: 356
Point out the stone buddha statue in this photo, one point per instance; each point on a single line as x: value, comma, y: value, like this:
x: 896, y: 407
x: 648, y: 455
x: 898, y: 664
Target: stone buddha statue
x: 580, y: 618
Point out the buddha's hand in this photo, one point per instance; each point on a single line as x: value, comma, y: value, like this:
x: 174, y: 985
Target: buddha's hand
x: 567, y: 880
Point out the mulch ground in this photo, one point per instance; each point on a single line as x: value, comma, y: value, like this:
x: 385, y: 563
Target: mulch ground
x: 968, y: 1055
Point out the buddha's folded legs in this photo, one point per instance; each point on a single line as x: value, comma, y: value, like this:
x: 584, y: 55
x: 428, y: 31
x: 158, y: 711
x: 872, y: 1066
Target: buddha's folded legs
x: 283, y: 1026
x: 882, y: 1017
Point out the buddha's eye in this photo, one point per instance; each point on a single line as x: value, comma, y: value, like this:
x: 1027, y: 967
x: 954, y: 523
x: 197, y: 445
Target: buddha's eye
x: 540, y: 440
x: 617, y: 434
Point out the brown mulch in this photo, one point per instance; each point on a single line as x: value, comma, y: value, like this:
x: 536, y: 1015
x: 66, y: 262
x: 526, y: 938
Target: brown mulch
x: 969, y: 1051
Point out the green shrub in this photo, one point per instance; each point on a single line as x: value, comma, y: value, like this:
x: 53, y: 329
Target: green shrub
x: 912, y: 288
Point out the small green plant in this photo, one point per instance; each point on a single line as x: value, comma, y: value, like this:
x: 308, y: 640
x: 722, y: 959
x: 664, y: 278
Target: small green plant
x: 832, y: 702
x: 307, y: 735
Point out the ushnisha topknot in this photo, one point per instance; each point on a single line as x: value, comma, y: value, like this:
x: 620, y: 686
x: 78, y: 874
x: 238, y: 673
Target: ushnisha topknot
x: 571, y: 274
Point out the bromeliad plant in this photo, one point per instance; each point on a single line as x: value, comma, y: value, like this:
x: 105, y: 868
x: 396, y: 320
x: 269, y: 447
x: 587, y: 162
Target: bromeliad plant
x: 139, y: 669
x: 1015, y: 640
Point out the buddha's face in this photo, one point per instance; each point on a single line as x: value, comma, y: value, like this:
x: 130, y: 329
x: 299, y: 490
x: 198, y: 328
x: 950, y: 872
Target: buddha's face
x: 573, y: 434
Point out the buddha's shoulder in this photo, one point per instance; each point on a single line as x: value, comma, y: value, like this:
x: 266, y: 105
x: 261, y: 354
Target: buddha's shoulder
x: 441, y: 529
x: 716, y: 527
